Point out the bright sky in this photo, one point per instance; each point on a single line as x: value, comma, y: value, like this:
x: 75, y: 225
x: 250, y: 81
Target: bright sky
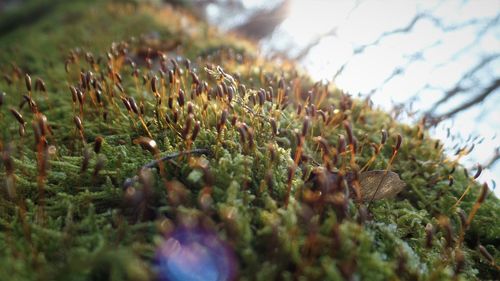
x: 443, y: 57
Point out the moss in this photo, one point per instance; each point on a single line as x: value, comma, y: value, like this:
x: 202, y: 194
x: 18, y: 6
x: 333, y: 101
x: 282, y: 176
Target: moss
x: 70, y: 212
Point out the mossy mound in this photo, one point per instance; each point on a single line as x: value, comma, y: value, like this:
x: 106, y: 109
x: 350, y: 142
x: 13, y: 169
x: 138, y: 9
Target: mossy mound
x: 122, y: 84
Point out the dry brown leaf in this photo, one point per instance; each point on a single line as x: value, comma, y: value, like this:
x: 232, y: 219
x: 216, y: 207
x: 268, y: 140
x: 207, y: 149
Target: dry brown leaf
x: 388, y: 184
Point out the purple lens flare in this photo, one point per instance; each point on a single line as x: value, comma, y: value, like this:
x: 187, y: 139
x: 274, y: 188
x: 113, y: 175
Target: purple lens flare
x: 195, y: 255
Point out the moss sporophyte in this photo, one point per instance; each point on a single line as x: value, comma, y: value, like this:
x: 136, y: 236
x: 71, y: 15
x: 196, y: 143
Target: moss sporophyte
x: 159, y: 149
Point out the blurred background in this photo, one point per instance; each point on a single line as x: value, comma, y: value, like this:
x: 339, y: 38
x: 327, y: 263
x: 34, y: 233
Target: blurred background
x: 434, y: 59
x: 438, y: 60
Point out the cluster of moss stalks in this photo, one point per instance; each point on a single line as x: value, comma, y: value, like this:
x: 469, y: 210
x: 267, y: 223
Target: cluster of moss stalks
x: 92, y: 91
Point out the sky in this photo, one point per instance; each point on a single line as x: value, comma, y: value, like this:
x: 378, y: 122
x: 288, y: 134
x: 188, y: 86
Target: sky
x: 432, y: 57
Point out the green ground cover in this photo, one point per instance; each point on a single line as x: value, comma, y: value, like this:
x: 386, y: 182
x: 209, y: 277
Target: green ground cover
x: 89, y: 85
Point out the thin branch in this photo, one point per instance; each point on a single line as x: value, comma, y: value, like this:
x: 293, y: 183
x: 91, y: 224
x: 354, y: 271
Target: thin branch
x: 332, y: 32
x: 479, y: 98
x: 400, y: 70
x: 314, y: 42
x: 404, y: 29
x: 154, y: 163
x: 409, y: 27
x: 458, y: 87
x: 489, y: 22
x: 174, y: 155
x: 493, y: 160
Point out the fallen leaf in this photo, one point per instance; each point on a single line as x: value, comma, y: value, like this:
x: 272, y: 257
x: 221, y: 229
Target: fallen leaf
x: 375, y: 185
x: 388, y: 184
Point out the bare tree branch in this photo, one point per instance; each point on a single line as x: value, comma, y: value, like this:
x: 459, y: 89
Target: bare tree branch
x: 459, y: 88
x: 305, y: 51
x: 332, y: 32
x: 399, y: 70
x: 488, y: 22
x: 493, y: 160
x: 479, y: 98
x: 428, y: 16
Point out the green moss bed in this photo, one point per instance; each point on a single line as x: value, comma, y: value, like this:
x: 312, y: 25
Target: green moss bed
x: 256, y: 165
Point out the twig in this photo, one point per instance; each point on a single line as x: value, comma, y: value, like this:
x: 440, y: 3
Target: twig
x: 152, y: 164
x: 174, y: 155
